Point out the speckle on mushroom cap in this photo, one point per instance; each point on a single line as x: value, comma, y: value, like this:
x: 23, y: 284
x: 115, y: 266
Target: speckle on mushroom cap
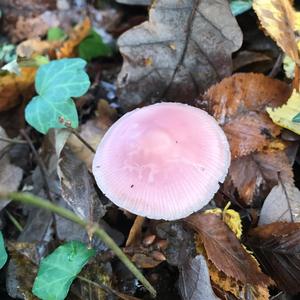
x: 163, y: 161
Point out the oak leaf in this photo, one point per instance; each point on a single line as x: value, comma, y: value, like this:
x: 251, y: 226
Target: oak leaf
x: 225, y: 251
x: 179, y: 52
x: 276, y: 246
x: 278, y: 18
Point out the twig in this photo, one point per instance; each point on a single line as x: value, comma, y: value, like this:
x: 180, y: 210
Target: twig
x: 39, y: 162
x: 82, y: 140
x: 14, y: 221
x: 65, y: 213
x: 12, y: 141
x: 276, y: 66
x: 107, y: 289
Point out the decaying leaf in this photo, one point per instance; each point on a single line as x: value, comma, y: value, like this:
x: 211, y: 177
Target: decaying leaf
x: 194, y: 281
x: 14, y: 88
x: 239, y: 103
x: 278, y: 18
x: 179, y: 52
x: 10, y: 175
x: 249, y: 133
x: 78, y: 189
x: 225, y: 251
x: 284, y: 115
x: 259, y: 172
x: 282, y: 204
x: 277, y: 248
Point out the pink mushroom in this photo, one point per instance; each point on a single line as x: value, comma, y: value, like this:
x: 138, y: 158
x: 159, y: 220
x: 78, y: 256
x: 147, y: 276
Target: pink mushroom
x: 163, y: 161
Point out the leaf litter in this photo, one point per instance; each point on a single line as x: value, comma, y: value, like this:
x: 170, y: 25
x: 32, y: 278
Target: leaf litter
x: 185, y: 51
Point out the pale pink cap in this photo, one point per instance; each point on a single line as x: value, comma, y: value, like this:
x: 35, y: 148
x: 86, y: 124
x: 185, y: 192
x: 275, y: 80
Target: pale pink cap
x: 163, y: 161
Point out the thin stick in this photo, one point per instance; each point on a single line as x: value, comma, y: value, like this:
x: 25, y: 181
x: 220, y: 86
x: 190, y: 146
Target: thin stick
x: 67, y: 214
x: 14, y: 221
x: 107, y: 289
x: 135, y: 230
x: 12, y: 141
x: 82, y: 140
x: 39, y: 162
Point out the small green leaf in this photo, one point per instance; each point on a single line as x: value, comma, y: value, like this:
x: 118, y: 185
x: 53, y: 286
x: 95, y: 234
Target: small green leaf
x: 56, y: 82
x: 55, y: 34
x: 3, y: 254
x: 296, y: 119
x: 58, y: 270
x: 93, y: 46
x: 240, y: 6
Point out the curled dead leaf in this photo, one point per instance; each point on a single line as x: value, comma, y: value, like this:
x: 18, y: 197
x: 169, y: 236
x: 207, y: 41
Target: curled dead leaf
x: 225, y: 251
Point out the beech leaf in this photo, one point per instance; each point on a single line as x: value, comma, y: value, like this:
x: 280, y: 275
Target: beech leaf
x: 278, y: 18
x: 276, y: 246
x: 179, y: 52
x: 225, y: 250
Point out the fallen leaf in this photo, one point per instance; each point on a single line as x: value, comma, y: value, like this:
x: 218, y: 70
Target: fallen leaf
x: 194, y: 281
x: 14, y: 89
x: 10, y: 175
x: 78, y: 189
x: 225, y: 251
x: 277, y: 248
x: 285, y: 115
x: 282, y: 204
x: 258, y: 172
x: 178, y: 53
x: 244, y: 92
x: 77, y: 35
x: 249, y: 133
x: 278, y: 18
x: 239, y: 102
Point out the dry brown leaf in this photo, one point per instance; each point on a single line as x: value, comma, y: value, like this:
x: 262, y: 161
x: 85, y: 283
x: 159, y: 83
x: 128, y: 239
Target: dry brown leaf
x: 258, y: 172
x: 225, y: 251
x: 244, y: 92
x: 31, y: 47
x: 239, y: 103
x: 14, y: 89
x: 277, y: 248
x: 278, y: 18
x: 179, y: 52
x: 250, y: 132
x: 79, y: 32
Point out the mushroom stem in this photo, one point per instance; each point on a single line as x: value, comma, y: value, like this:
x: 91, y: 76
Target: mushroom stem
x: 28, y: 198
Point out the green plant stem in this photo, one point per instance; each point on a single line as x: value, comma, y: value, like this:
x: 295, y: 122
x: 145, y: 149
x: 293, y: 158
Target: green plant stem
x: 65, y: 213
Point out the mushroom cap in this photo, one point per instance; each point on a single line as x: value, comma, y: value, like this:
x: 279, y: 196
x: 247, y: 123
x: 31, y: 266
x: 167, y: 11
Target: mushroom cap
x: 163, y: 161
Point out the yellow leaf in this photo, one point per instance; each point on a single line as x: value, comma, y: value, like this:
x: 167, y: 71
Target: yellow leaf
x: 230, y: 217
x: 284, y: 114
x: 15, y: 88
x: 278, y: 18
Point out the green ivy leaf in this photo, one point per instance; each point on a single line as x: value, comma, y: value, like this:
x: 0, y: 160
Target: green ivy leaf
x: 58, y: 270
x: 240, y: 6
x: 56, y: 82
x: 3, y: 253
x: 55, y: 34
x: 93, y: 46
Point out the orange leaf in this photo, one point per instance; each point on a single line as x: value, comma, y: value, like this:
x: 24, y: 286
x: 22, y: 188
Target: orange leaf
x: 15, y: 88
x: 79, y: 32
